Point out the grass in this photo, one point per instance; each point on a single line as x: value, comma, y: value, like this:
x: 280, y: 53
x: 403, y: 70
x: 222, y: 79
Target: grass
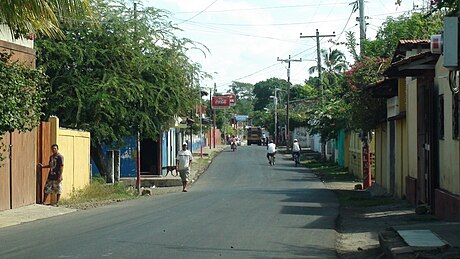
x: 351, y: 198
x: 330, y: 171
x: 348, y: 198
x: 98, y: 190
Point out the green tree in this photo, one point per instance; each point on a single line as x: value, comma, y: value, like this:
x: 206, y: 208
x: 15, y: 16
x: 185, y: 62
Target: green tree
x: 413, y: 27
x: 42, y: 16
x: 125, y: 76
x: 22, y: 94
x: 264, y: 89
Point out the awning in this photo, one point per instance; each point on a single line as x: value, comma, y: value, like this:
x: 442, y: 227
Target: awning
x: 179, y: 123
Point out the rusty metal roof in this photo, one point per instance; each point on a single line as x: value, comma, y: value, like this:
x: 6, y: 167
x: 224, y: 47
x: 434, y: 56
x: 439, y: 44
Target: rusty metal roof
x: 403, y: 42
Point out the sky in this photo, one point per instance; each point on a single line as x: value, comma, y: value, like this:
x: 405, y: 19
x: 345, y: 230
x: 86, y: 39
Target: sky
x: 245, y: 38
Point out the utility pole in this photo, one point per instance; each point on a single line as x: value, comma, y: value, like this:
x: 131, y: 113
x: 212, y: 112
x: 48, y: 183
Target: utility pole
x: 362, y: 26
x: 318, y: 53
x: 288, y: 93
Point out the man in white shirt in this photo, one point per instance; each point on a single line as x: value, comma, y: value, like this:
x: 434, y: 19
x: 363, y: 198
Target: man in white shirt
x: 183, y: 163
x: 271, y: 150
x: 295, y: 149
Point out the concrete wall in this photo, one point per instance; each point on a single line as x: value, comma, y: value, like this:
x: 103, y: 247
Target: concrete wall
x: 74, y: 145
x: 449, y: 148
x: 411, y: 118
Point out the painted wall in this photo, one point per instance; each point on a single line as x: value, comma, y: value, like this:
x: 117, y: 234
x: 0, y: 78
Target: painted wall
x: 302, y: 136
x: 355, y: 159
x: 381, y: 175
x: 449, y: 149
x: 340, y: 148
x: 411, y: 119
x: 74, y: 145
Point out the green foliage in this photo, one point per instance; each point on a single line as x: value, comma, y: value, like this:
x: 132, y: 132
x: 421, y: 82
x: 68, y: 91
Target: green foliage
x: 22, y: 94
x: 365, y: 112
x: 264, y: 89
x: 129, y: 74
x: 42, y: 16
x: 122, y: 76
x: 413, y: 27
x: 22, y: 91
x: 448, y: 6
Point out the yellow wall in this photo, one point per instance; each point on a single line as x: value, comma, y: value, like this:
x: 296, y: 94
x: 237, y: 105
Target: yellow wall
x: 411, y: 119
x: 449, y: 149
x: 401, y: 145
x: 354, y: 148
x: 74, y: 145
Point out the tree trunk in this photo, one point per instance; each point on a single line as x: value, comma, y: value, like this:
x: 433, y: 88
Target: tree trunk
x: 98, y: 157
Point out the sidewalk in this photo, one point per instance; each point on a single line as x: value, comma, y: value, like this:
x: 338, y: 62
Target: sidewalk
x: 392, y: 230
x: 36, y: 211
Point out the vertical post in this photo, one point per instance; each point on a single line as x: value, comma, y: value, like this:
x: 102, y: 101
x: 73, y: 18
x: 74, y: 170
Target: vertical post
x: 367, y: 179
x: 201, y: 129
x: 10, y: 157
x: 362, y: 27
x: 214, y: 133
x: 287, y: 102
x: 138, y: 179
x: 210, y: 114
x: 286, y: 133
x: 276, y: 119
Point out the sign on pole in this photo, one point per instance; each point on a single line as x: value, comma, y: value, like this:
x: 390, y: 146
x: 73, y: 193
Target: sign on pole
x: 220, y: 102
x: 232, y: 98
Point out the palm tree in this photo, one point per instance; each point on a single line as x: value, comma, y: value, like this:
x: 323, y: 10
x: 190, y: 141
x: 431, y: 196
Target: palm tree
x: 42, y: 16
x: 334, y: 60
x: 335, y: 64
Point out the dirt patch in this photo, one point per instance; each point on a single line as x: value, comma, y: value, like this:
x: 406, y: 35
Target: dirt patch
x: 360, y: 222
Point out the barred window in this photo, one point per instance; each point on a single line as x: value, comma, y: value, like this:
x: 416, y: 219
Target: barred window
x: 455, y: 114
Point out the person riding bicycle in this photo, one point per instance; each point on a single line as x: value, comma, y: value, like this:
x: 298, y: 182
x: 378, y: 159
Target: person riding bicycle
x: 296, y: 149
x: 271, y: 151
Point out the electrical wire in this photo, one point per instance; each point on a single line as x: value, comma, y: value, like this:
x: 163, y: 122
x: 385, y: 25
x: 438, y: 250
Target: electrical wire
x: 202, y: 11
x: 266, y: 8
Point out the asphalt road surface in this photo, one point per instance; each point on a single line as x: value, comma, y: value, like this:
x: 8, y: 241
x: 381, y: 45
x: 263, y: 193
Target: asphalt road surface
x: 240, y: 208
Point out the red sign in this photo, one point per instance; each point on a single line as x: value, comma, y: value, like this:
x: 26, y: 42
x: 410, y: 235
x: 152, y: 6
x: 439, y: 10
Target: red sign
x: 232, y: 99
x: 220, y: 102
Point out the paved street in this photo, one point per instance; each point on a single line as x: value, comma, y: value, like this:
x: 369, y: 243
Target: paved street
x: 240, y: 208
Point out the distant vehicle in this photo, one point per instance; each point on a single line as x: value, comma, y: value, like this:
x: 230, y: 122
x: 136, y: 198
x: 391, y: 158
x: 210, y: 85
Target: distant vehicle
x: 254, y: 135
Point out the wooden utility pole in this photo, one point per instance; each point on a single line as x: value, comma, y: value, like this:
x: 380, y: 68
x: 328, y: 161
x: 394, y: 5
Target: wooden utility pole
x: 318, y: 53
x: 288, y: 93
x: 362, y: 26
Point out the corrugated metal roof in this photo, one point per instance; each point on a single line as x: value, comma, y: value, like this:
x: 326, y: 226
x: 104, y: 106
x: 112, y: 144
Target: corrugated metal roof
x: 413, y: 41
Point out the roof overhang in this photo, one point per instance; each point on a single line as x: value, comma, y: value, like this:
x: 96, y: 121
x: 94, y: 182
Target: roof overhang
x: 416, y: 65
x: 384, y: 88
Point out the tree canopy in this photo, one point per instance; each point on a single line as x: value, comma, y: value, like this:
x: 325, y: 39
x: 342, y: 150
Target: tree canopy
x: 124, y: 76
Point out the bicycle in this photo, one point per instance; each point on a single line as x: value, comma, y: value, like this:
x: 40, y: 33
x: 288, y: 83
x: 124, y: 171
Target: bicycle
x: 172, y: 169
x: 295, y: 155
x: 271, y: 159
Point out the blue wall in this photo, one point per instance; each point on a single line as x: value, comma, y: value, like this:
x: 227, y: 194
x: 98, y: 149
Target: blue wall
x: 128, y: 159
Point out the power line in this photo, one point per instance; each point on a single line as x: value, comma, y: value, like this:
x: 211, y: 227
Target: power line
x: 265, y: 8
x: 202, y: 11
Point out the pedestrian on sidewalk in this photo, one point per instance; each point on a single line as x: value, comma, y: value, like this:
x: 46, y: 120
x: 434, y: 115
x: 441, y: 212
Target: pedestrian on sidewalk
x: 183, y: 163
x: 54, y: 180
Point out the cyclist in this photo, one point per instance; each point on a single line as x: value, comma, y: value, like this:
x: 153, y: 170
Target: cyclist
x: 271, y: 151
x: 295, y: 150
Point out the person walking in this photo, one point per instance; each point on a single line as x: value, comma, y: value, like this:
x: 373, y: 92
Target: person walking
x: 54, y: 180
x: 183, y: 163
